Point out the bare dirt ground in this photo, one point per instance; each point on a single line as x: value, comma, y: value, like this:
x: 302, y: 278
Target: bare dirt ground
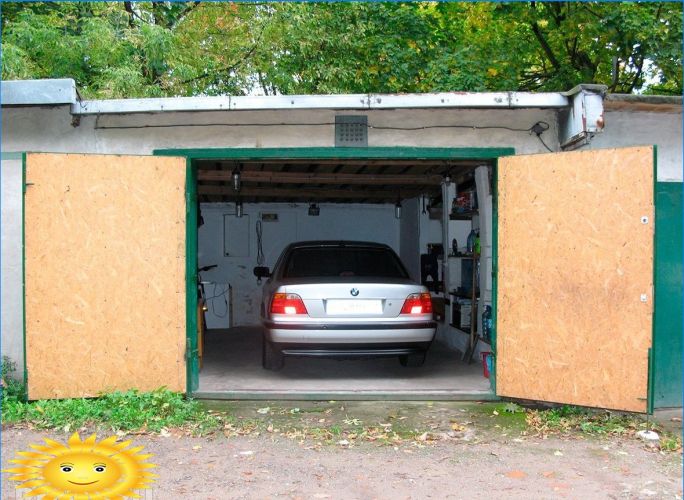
x: 319, y: 451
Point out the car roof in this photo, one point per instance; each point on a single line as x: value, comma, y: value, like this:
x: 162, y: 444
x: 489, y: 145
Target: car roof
x: 336, y: 243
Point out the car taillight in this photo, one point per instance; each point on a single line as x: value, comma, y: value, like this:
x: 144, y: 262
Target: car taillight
x: 287, y: 303
x: 417, y: 303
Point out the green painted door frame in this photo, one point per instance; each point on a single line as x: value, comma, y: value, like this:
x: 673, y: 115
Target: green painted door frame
x: 247, y: 154
x: 666, y: 360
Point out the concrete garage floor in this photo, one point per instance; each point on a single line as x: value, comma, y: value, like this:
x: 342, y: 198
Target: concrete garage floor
x: 232, y: 369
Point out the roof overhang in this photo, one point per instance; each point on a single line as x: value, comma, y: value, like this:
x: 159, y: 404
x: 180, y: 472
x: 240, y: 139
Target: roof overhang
x: 650, y: 103
x: 63, y: 91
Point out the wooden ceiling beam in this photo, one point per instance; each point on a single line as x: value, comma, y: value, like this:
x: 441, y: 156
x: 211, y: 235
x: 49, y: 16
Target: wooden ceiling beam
x: 351, y: 162
x: 322, y: 178
x: 306, y: 194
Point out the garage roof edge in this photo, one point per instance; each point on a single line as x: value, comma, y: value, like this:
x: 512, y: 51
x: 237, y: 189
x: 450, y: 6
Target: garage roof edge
x: 58, y: 92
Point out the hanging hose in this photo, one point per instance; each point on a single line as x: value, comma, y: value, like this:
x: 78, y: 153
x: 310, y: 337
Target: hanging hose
x: 260, y: 250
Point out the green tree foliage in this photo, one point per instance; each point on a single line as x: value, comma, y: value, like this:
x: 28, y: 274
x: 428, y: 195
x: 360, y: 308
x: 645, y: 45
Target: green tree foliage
x: 129, y: 49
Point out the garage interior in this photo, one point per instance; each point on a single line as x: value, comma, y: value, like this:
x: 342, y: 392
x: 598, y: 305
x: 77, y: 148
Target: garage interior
x: 251, y: 209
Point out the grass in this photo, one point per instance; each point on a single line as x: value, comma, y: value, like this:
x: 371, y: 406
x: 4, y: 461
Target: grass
x: 566, y: 420
x: 12, y: 389
x: 117, y: 411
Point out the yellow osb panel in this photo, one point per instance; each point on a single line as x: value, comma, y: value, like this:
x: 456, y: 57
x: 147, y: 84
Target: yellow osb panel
x: 574, y: 262
x: 105, y: 274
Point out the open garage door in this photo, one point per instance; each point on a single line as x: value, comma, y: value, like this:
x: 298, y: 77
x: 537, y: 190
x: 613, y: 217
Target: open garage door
x: 105, y: 287
x: 575, y: 275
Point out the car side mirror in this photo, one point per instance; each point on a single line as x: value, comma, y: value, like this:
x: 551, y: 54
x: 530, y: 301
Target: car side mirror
x: 262, y: 272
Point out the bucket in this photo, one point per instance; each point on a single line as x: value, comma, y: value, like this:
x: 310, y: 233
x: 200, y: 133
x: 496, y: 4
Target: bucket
x: 486, y: 363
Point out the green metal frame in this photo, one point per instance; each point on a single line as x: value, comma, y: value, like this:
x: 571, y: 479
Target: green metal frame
x: 23, y: 266
x: 191, y: 207
x: 384, y: 153
x: 495, y: 271
x: 192, y: 155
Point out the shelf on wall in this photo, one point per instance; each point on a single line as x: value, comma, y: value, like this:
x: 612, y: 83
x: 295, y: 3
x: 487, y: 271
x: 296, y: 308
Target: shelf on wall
x: 463, y: 295
x: 463, y: 215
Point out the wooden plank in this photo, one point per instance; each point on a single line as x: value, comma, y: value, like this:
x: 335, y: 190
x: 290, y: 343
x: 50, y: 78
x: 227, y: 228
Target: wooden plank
x: 309, y: 194
x: 321, y: 178
x: 575, y: 263
x: 105, y: 274
x: 354, y: 162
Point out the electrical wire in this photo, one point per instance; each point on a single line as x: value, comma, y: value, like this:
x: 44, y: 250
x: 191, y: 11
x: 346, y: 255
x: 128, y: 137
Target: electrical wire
x: 223, y: 293
x: 538, y: 128
x: 542, y: 141
x: 321, y: 124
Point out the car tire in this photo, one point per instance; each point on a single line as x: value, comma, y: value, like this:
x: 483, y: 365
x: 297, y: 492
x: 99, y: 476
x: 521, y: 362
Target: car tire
x: 413, y: 360
x: 271, y: 358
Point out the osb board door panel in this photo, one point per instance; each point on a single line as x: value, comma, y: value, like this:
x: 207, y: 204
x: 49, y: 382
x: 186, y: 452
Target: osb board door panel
x: 104, y: 271
x: 575, y: 272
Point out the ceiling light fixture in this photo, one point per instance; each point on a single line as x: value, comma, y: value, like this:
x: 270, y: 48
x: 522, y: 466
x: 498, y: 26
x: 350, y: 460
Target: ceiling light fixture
x: 237, y: 180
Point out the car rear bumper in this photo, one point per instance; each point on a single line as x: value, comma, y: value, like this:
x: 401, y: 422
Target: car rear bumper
x: 368, y: 335
x: 349, y: 351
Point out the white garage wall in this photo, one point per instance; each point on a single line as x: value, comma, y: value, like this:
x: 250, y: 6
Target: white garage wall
x: 361, y: 222
x: 632, y: 128
x: 11, y: 322
x: 51, y: 130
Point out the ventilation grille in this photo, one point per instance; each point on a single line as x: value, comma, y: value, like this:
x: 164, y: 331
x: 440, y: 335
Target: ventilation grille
x: 351, y: 131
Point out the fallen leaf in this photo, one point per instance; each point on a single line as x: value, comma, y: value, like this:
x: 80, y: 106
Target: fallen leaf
x: 549, y: 474
x: 516, y: 474
x: 457, y: 427
x: 558, y: 453
x: 198, y: 447
x: 264, y: 411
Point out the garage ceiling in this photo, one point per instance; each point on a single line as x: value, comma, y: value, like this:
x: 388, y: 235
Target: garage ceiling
x: 331, y: 181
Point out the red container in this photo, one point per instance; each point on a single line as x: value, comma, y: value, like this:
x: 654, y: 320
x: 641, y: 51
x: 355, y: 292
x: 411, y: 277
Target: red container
x: 486, y: 363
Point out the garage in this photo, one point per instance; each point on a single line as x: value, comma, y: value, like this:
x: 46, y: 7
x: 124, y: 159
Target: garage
x: 397, y: 202
x: 509, y: 241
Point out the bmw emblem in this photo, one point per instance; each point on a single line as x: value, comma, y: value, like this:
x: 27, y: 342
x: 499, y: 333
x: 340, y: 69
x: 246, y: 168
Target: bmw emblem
x: 354, y: 292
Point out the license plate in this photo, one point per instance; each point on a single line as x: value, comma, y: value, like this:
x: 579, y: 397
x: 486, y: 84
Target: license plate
x: 354, y: 307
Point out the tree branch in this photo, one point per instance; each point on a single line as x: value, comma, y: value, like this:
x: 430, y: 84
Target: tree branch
x: 227, y: 69
x: 545, y: 45
x: 637, y: 76
x: 132, y: 14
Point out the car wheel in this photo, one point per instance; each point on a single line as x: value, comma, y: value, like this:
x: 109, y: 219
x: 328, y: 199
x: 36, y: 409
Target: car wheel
x: 271, y: 358
x: 416, y: 359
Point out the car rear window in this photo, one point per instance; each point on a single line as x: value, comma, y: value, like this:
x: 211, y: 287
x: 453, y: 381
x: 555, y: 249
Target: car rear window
x: 343, y: 261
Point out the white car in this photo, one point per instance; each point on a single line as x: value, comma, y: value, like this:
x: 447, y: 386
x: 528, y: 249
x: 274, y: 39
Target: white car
x: 343, y: 299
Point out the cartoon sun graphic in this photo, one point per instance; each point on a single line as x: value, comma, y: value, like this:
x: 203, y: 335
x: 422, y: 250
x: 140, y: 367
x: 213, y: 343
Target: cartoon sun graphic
x: 83, y: 470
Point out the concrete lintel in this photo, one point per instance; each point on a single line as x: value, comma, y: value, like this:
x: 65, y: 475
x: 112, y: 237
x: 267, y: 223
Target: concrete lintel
x: 53, y: 92
x: 446, y: 100
x: 151, y: 105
